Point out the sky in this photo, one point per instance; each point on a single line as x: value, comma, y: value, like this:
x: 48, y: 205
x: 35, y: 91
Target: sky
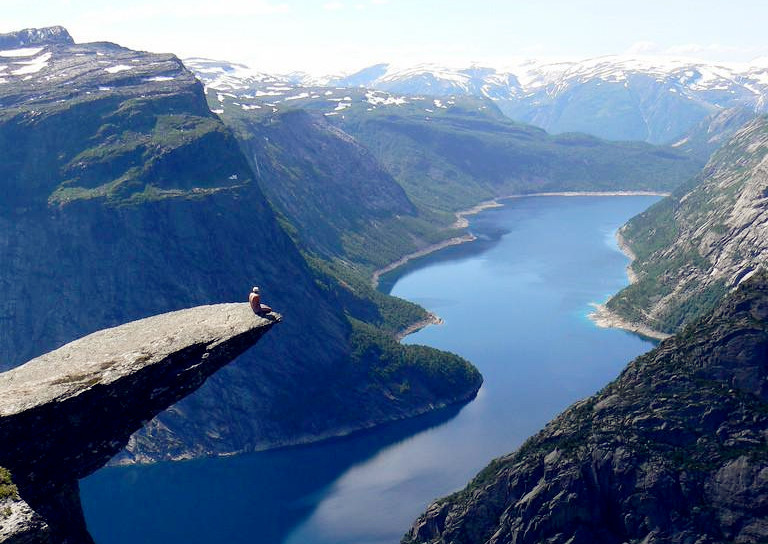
x: 332, y: 36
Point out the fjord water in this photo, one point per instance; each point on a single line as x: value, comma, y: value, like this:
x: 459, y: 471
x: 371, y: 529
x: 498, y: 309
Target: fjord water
x: 515, y: 303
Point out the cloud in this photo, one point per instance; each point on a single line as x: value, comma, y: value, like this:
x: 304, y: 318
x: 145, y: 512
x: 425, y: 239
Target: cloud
x: 333, y: 6
x: 711, y: 52
x: 697, y: 49
x: 234, y: 7
x: 644, y: 48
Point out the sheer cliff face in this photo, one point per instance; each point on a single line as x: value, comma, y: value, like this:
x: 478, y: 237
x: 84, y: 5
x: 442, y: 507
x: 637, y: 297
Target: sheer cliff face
x: 126, y: 197
x: 702, y: 241
x: 339, y: 198
x: 672, y: 451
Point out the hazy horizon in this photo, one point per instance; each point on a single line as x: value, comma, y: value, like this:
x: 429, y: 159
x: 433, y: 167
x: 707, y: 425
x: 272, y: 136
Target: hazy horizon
x: 344, y: 36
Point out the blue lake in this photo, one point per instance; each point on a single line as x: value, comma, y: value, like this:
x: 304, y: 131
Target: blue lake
x: 515, y: 303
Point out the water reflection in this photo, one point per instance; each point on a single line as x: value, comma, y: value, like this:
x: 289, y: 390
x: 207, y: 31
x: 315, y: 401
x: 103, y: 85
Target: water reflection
x: 245, y: 499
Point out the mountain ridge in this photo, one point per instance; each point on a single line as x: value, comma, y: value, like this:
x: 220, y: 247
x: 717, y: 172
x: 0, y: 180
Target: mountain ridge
x: 616, y: 98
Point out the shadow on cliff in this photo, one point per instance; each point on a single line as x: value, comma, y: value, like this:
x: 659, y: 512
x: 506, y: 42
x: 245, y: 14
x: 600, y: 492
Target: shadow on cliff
x: 259, y: 497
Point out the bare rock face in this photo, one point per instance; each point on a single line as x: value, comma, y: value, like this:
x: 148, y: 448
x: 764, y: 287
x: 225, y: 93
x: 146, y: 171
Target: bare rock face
x: 673, y: 451
x: 64, y: 414
x: 19, y: 524
x: 702, y: 241
x: 30, y: 37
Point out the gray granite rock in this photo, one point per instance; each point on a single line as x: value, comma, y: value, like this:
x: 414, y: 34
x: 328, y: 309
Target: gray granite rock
x: 703, y: 241
x: 64, y: 414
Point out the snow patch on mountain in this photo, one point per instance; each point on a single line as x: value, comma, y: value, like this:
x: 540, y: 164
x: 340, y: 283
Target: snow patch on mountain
x: 32, y: 66
x: 379, y: 98
x: 21, y: 52
x: 117, y: 69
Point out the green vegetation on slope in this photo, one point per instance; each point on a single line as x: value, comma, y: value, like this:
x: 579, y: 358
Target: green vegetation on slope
x: 696, y: 245
x: 340, y: 202
x: 8, y: 489
x: 360, y: 300
x: 404, y: 368
x: 131, y: 152
x: 470, y: 152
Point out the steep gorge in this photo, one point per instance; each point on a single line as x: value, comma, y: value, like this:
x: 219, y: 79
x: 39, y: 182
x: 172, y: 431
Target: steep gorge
x: 126, y: 198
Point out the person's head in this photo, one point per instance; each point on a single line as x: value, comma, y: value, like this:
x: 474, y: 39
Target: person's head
x: 255, y: 290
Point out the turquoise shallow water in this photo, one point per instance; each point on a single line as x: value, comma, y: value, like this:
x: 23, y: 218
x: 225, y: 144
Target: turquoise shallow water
x: 514, y: 302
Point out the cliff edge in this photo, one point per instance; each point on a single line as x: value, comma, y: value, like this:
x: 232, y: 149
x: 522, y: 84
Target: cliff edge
x: 64, y: 414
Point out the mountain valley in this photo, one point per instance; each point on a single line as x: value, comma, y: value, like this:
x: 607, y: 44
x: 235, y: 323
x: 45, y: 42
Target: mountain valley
x: 127, y: 197
x: 136, y: 184
x: 445, y: 154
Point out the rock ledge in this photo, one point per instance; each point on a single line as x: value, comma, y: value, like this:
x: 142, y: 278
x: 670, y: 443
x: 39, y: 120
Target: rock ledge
x: 64, y: 414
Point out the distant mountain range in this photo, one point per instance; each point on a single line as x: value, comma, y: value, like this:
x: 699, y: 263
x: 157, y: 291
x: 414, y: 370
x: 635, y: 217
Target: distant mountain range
x: 657, y: 101
x: 336, y: 160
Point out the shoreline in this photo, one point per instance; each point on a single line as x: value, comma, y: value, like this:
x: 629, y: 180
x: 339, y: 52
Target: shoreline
x: 591, y: 193
x: 462, y: 222
x: 626, y: 250
x: 604, y: 317
x: 431, y: 319
x: 420, y: 253
x: 461, y: 216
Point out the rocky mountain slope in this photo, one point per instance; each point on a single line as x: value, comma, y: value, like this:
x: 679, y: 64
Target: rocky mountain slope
x: 672, y: 451
x: 646, y: 99
x: 341, y: 202
x: 462, y: 149
x: 447, y: 154
x: 64, y: 414
x: 696, y: 245
x: 714, y: 132
x: 127, y: 197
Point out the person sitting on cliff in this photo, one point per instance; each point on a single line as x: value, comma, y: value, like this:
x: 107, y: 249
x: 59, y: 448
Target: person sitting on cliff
x: 255, y: 299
